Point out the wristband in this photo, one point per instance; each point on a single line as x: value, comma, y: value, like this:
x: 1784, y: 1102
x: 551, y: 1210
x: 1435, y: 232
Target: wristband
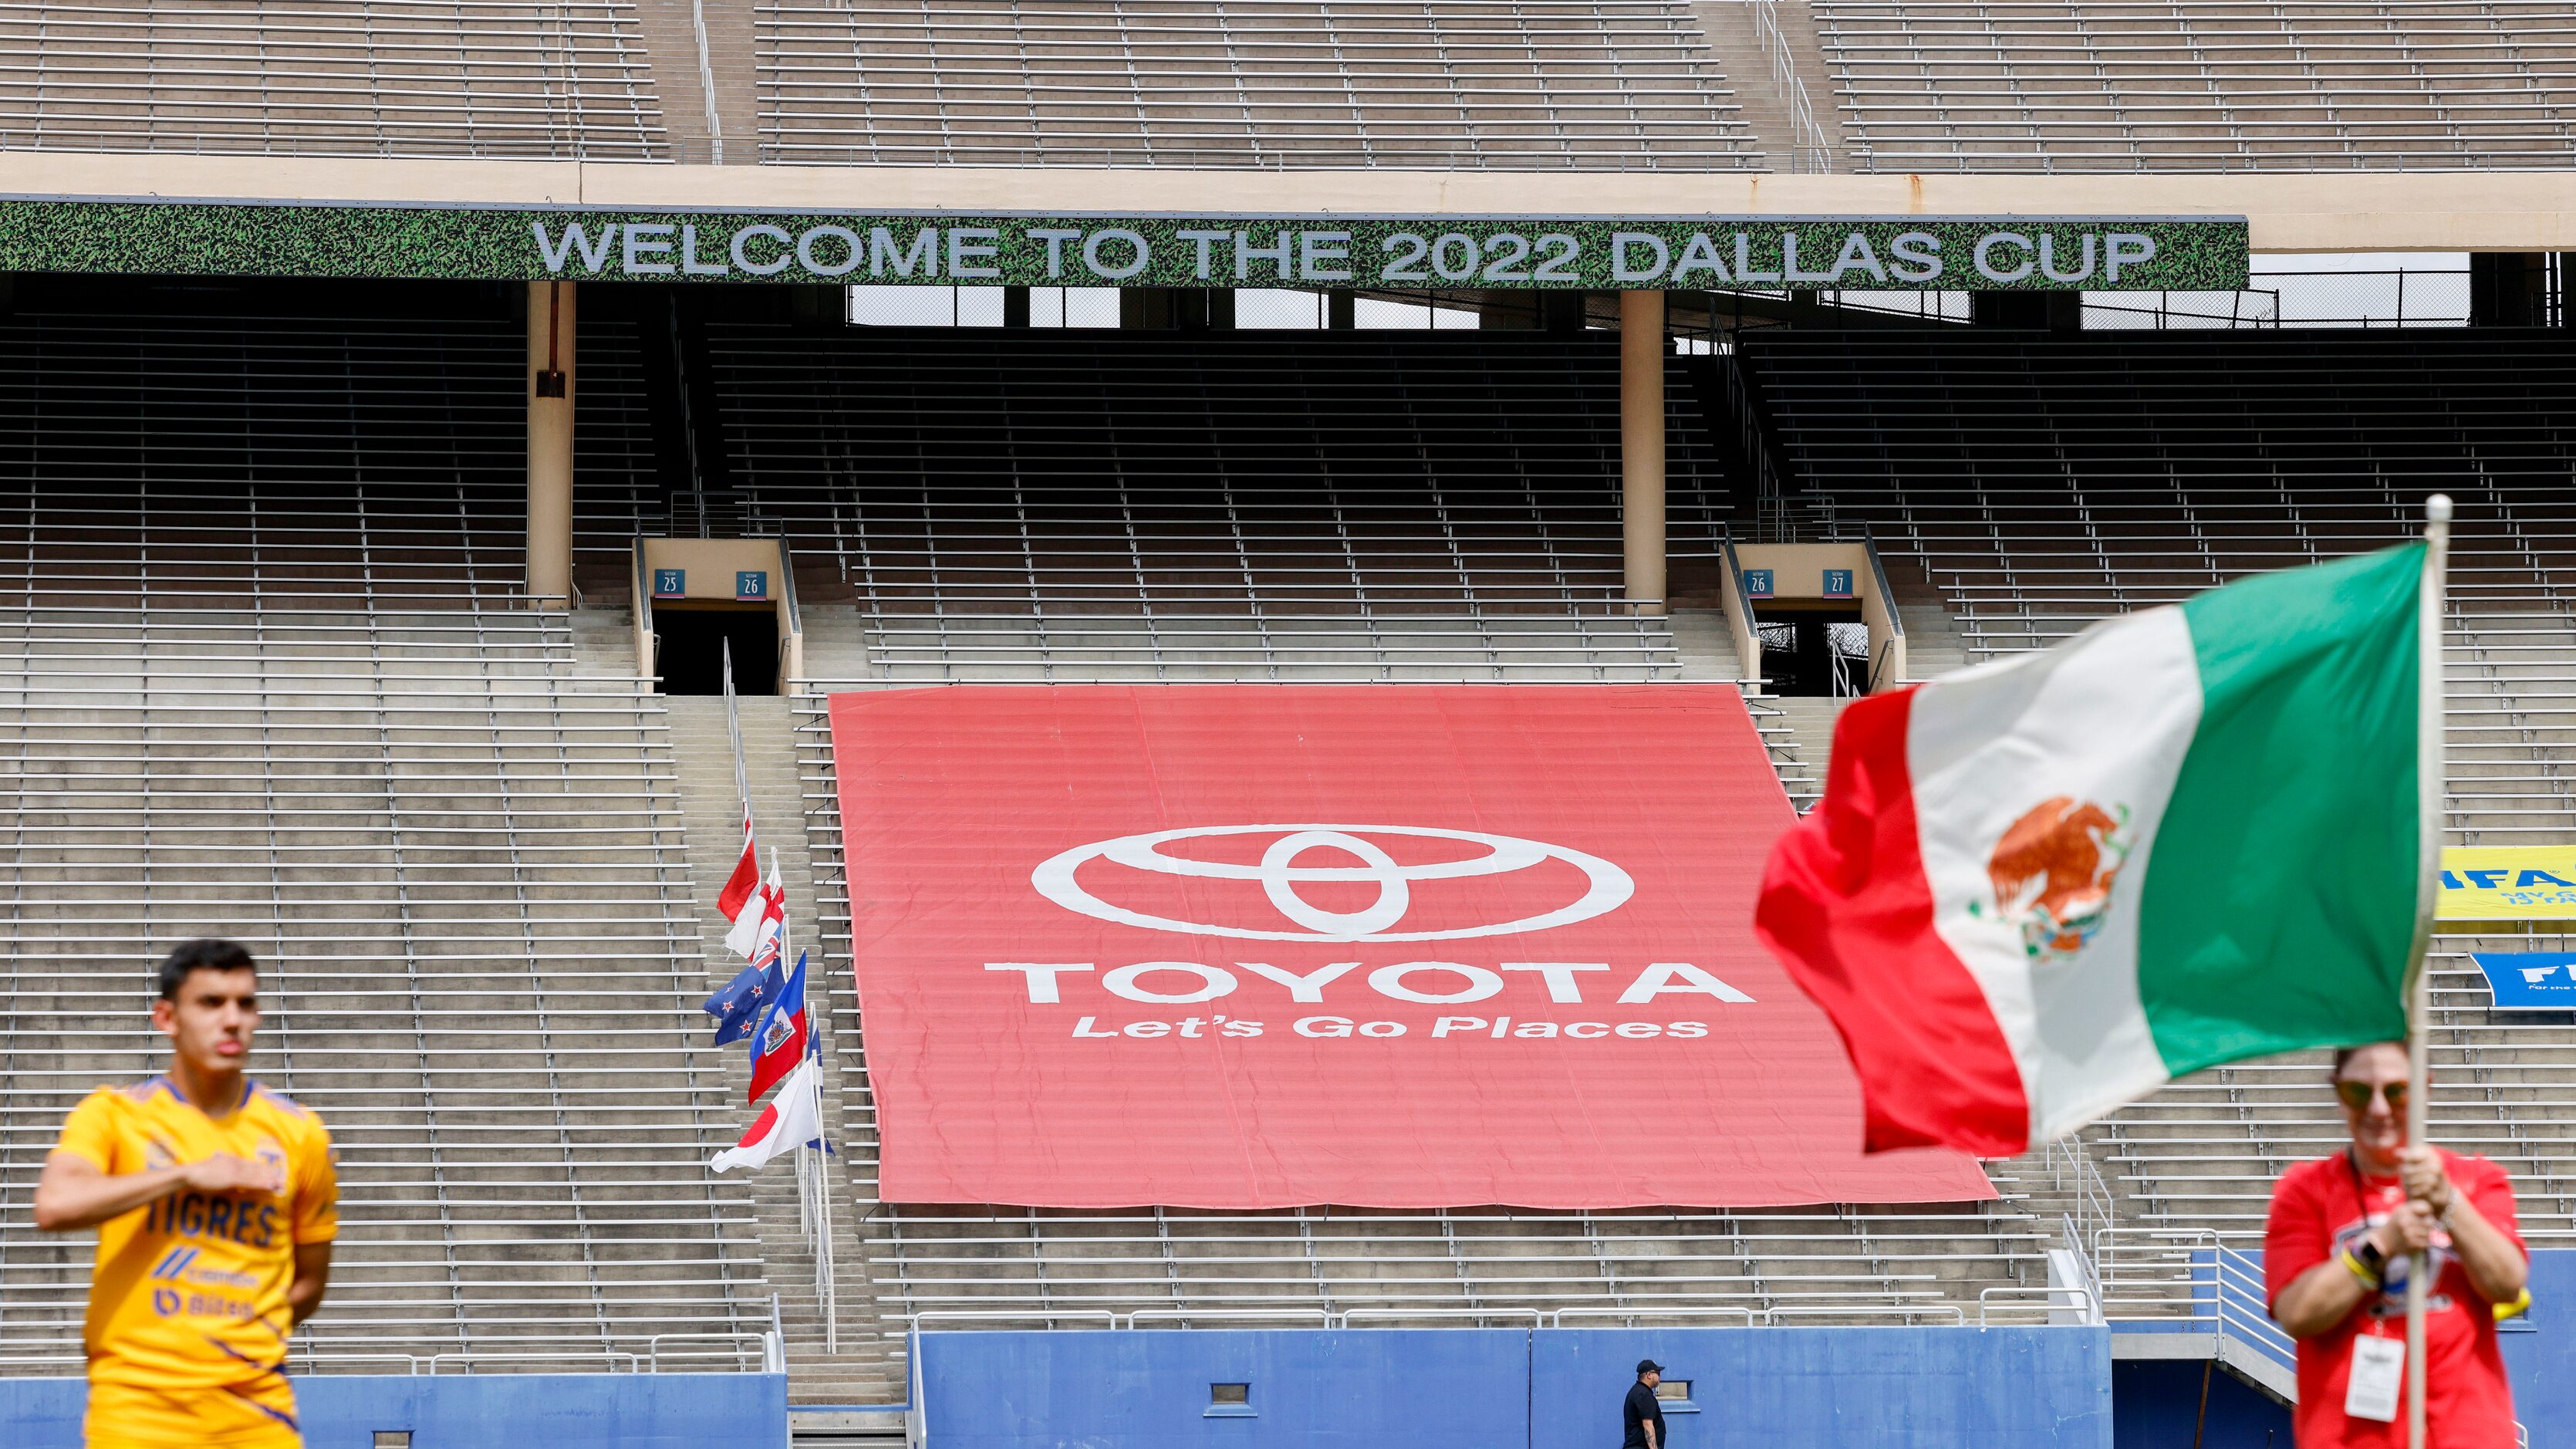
x: 2358, y: 1269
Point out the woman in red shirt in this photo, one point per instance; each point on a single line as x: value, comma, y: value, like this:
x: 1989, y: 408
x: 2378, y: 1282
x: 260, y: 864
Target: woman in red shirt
x: 2335, y: 1257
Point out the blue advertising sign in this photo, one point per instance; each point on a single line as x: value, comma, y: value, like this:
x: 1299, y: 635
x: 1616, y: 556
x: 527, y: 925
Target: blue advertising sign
x: 1757, y: 583
x: 2543, y: 980
x: 750, y: 585
x: 670, y: 583
x: 1838, y: 583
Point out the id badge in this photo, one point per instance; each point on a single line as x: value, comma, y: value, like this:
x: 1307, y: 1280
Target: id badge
x: 2378, y: 1367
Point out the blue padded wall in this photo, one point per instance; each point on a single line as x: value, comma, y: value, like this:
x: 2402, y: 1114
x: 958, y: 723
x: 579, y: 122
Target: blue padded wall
x: 1790, y: 1388
x: 2040, y: 1388
x: 460, y: 1411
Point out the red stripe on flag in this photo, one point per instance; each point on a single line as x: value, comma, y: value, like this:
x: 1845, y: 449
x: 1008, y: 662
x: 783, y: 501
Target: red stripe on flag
x: 770, y: 1067
x: 761, y: 1126
x: 744, y: 880
x: 1846, y: 907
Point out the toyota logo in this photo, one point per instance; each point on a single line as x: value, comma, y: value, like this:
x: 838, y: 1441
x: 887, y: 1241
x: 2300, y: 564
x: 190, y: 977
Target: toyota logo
x: 1281, y: 877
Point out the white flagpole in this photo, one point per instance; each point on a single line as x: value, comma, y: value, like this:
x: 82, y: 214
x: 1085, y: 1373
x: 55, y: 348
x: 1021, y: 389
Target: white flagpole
x: 824, y: 1267
x: 2429, y: 790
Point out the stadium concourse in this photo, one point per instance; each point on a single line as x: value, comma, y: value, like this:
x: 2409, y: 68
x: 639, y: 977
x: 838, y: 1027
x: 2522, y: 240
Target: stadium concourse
x: 404, y: 408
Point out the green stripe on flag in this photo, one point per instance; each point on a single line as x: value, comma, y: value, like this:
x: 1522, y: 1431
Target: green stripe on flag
x: 2280, y: 899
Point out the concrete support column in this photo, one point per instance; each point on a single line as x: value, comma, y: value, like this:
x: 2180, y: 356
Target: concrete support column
x: 550, y: 401
x: 1641, y: 442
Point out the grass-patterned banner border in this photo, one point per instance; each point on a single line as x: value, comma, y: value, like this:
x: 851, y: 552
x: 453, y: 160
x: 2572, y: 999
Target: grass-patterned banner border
x: 1516, y: 253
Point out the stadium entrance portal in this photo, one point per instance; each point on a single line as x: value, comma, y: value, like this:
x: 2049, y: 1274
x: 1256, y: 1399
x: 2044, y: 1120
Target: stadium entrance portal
x: 1815, y: 651
x: 691, y: 646
x: 700, y: 602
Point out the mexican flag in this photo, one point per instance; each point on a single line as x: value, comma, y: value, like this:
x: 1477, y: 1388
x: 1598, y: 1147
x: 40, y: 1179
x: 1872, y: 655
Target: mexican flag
x: 2040, y: 888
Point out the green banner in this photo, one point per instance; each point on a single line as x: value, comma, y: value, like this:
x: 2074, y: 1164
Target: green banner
x: 1516, y: 253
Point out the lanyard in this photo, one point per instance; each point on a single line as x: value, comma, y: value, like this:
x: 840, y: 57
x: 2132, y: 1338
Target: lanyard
x: 2360, y: 1191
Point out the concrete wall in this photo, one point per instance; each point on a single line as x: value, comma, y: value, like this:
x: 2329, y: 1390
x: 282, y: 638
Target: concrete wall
x: 1821, y: 1388
x: 2514, y: 211
x: 1785, y: 1388
x: 460, y: 1411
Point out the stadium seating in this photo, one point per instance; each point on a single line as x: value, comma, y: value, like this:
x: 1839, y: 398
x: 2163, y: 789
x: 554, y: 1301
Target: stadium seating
x: 373, y: 459
x: 1616, y: 84
x: 1034, y: 505
x: 2182, y: 85
x: 565, y: 78
x: 263, y: 671
x: 2034, y: 483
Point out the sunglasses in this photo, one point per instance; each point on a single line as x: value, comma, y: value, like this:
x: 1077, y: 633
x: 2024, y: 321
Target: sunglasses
x: 2356, y: 1095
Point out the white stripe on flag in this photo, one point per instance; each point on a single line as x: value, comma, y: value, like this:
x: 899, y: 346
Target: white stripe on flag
x: 787, y: 1123
x: 765, y: 905
x: 2102, y: 722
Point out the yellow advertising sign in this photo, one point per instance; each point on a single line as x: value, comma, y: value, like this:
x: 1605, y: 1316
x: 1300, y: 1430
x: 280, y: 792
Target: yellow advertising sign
x: 2508, y: 882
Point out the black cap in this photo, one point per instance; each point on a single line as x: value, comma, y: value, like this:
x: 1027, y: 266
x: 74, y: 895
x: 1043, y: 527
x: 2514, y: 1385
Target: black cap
x: 1649, y: 1366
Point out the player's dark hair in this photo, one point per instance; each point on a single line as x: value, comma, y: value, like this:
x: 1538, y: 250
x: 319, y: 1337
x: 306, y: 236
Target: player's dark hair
x: 206, y: 953
x: 2345, y: 1054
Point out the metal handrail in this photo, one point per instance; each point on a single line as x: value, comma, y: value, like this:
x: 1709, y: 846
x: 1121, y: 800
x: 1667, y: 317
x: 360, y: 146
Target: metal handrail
x: 1537, y: 1317
x: 1958, y: 1315
x: 2083, y: 1298
x: 1809, y: 150
x: 1159, y: 1315
x: 1557, y: 1318
x: 1045, y: 1315
x: 736, y: 1337
x: 467, y: 1356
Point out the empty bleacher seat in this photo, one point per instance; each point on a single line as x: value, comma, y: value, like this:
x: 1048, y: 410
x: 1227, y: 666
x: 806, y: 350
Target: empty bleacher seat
x: 2165, y: 85
x: 265, y: 672
x: 1615, y: 84
x: 547, y: 79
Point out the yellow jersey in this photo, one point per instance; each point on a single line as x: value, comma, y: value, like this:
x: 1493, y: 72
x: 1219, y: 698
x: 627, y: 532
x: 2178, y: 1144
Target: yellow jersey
x: 190, y: 1291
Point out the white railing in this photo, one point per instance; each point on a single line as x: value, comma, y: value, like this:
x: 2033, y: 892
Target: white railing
x: 1809, y: 148
x: 2053, y: 1304
x: 2165, y: 1275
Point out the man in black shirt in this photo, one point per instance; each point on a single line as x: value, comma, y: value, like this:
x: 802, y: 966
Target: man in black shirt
x: 1642, y: 1414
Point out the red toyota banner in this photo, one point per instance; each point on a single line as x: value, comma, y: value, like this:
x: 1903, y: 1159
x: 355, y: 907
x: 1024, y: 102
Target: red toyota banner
x: 1248, y: 946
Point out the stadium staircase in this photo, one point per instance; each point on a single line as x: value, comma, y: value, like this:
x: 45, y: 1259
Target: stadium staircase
x: 867, y: 1369
x: 2020, y: 485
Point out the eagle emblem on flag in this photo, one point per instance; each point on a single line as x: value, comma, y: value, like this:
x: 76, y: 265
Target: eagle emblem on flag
x: 2052, y: 873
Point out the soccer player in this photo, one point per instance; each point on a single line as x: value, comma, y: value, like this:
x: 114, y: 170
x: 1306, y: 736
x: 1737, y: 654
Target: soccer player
x: 215, y: 1201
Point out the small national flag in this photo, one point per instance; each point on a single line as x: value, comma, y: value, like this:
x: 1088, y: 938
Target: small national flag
x: 745, y: 878
x: 779, y: 1044
x: 789, y: 1121
x: 736, y: 1004
x: 2042, y: 887
x: 763, y: 913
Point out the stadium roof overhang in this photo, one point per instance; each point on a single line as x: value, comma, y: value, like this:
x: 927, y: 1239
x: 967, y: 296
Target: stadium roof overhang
x: 174, y: 213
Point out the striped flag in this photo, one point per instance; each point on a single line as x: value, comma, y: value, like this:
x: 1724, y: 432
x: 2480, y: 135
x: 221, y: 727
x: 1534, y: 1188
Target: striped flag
x: 2042, y: 887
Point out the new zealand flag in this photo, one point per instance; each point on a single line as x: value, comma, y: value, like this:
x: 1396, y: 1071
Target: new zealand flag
x: 738, y: 1003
